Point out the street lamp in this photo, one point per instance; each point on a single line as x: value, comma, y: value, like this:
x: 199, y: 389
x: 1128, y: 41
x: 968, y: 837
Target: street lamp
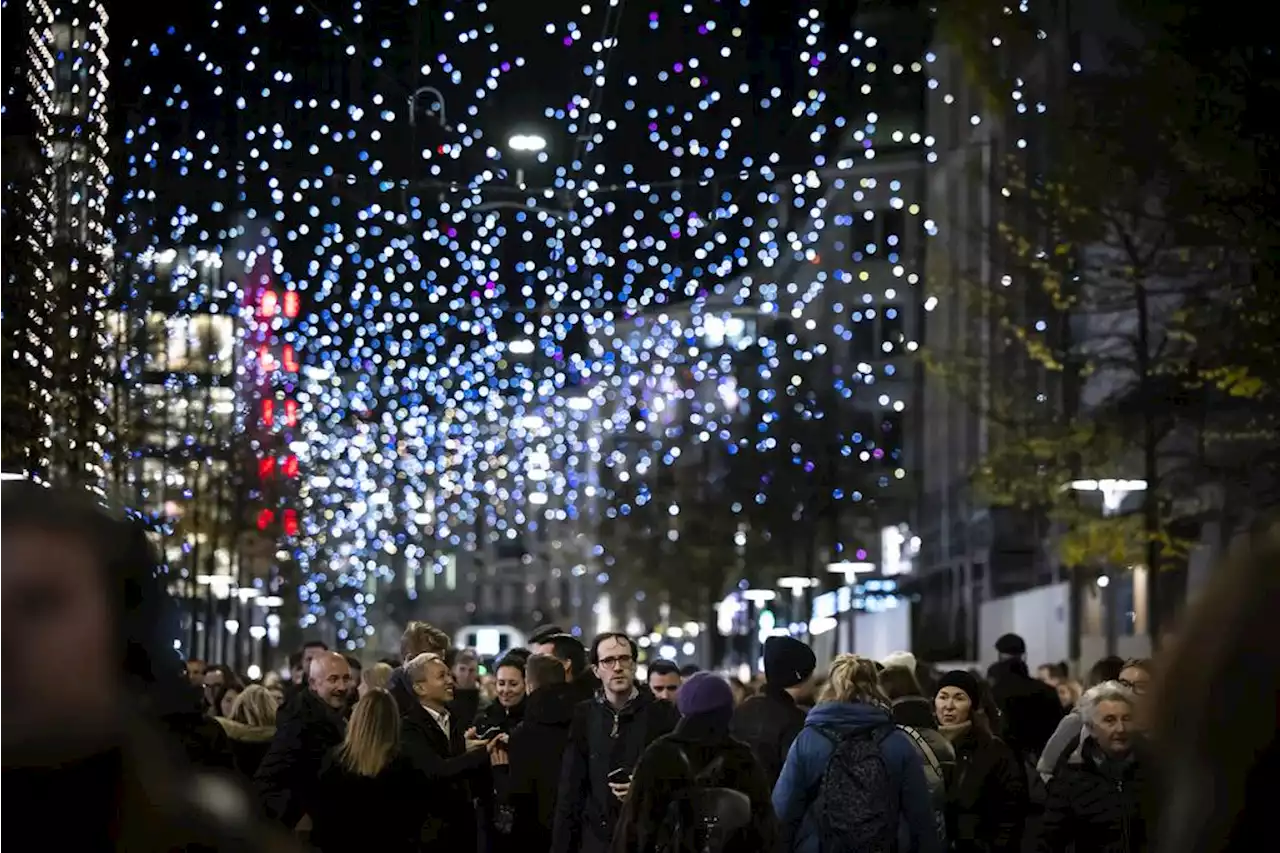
x: 1113, y: 494
x: 525, y: 143
x: 758, y: 598
x: 798, y: 586
x: 851, y: 570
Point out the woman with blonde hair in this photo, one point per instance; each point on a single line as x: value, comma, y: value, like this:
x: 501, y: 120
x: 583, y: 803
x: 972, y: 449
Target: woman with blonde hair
x: 366, y: 774
x: 852, y: 779
x: 250, y: 727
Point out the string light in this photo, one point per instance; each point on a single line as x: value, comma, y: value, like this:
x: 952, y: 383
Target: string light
x: 496, y: 350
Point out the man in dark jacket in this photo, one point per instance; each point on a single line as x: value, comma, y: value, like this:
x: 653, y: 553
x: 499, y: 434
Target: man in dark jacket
x: 466, y: 704
x: 770, y: 721
x: 607, y: 736
x: 434, y: 745
x: 537, y: 751
x: 1029, y: 709
x: 308, y: 727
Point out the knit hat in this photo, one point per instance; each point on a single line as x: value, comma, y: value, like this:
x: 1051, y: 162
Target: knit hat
x: 964, y: 681
x: 904, y: 660
x: 704, y: 693
x: 1011, y: 644
x: 787, y: 662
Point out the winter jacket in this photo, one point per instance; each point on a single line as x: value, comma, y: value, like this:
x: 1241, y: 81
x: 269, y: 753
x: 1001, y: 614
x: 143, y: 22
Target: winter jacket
x: 1099, y: 804
x: 495, y: 802
x: 494, y: 715
x: 601, y: 740
x: 249, y: 744
x: 1029, y: 709
x: 536, y: 752
x: 354, y: 812
x: 1066, y: 739
x: 306, y: 729
x: 987, y: 801
x: 453, y: 773
x: 768, y: 723
x: 800, y: 783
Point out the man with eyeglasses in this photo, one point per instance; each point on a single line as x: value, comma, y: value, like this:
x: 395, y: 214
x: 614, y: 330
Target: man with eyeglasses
x: 606, y: 739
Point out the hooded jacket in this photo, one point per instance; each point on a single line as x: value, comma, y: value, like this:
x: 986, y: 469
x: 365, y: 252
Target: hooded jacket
x: 536, y: 752
x: 601, y: 740
x: 800, y: 783
x: 249, y: 744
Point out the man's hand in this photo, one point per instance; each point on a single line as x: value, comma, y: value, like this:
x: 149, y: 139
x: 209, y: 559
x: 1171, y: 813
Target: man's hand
x: 498, y: 751
x: 620, y: 789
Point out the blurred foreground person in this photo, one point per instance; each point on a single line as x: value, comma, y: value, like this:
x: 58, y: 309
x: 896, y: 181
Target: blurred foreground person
x: 89, y: 664
x: 536, y: 750
x: 1215, y: 705
x: 368, y: 796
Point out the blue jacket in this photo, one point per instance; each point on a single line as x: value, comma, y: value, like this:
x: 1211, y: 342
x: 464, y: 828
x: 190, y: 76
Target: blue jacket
x: 795, y: 793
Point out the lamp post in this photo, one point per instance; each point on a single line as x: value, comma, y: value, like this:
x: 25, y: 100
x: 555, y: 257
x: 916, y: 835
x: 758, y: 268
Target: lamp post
x: 757, y: 598
x: 798, y: 587
x: 1113, y: 494
x: 525, y: 143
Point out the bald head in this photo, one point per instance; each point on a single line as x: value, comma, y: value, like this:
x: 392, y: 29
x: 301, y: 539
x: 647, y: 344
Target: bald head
x: 330, y: 678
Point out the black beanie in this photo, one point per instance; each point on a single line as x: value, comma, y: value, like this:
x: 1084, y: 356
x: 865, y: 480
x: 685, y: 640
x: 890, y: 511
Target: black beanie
x: 963, y: 680
x: 787, y: 662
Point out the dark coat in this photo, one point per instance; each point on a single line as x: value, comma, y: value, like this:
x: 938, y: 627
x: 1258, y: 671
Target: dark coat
x: 452, y: 774
x: 768, y: 723
x: 306, y: 729
x: 602, y: 740
x: 537, y: 752
x: 249, y: 744
x: 1098, y: 804
x: 465, y: 706
x: 718, y: 760
x: 354, y: 812
x: 987, y: 804
x: 1029, y: 709
x: 202, y: 741
x: 494, y: 715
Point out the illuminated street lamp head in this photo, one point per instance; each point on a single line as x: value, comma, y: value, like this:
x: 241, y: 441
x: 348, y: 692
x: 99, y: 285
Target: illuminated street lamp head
x: 527, y: 142
x: 849, y: 569
x: 759, y: 596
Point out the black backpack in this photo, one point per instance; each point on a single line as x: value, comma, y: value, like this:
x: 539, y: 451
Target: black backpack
x: 857, y: 806
x: 719, y: 813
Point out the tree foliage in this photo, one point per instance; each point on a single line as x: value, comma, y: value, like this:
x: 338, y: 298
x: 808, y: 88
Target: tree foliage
x: 1129, y: 301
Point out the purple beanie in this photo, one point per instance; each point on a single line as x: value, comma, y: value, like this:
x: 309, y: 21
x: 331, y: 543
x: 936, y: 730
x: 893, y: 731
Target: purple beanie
x: 704, y: 693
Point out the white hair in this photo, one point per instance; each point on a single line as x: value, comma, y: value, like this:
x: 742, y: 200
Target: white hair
x: 416, y: 669
x: 1107, y: 691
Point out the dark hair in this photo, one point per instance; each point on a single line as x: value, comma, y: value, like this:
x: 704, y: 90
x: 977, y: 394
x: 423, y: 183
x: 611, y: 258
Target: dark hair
x: 295, y: 660
x: 898, y: 681
x: 354, y: 662
x: 689, y: 669
x: 1057, y: 670
x: 315, y: 644
x: 1107, y: 669
x: 568, y: 649
x: 662, y: 666
x: 215, y: 698
x: 544, y: 670
x: 610, y: 635
x: 515, y: 658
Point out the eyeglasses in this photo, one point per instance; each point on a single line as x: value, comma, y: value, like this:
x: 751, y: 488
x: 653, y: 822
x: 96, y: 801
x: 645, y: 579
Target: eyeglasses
x: 1135, y: 686
x: 616, y: 662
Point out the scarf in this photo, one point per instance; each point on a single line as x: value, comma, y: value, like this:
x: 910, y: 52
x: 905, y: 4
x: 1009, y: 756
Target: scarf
x: 954, y: 732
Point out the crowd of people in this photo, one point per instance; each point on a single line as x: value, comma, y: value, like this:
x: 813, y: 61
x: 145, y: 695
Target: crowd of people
x: 573, y: 747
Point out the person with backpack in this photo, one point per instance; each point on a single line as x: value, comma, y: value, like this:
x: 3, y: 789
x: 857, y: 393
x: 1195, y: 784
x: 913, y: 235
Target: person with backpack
x: 853, y: 782
x: 697, y: 789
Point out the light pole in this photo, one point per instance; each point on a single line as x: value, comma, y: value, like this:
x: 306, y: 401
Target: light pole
x: 798, y: 586
x: 1113, y: 494
x: 525, y: 143
x: 757, y: 598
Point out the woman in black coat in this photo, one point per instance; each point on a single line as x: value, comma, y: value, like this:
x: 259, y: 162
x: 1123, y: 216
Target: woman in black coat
x: 502, y: 717
x: 987, y: 800
x: 368, y: 796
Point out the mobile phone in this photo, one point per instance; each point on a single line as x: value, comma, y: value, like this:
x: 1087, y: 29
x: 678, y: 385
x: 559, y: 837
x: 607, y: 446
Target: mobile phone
x: 621, y: 776
x: 490, y: 733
